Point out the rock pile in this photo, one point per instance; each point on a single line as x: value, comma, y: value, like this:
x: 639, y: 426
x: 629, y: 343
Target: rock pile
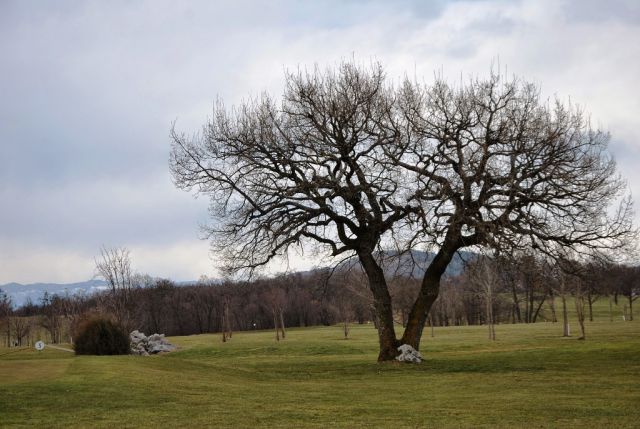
x: 408, y: 354
x: 144, y: 346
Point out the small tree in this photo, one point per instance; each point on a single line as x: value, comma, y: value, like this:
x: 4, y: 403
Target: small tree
x: 51, y: 317
x: 5, y: 312
x: 483, y: 274
x: 227, y: 332
x: 580, y: 305
x: 628, y: 285
x: 114, y: 265
x: 21, y: 326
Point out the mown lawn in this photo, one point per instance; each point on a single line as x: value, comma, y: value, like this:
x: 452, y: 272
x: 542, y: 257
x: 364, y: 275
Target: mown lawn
x: 529, y: 377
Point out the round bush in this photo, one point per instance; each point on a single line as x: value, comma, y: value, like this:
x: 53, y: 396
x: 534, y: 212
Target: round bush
x: 102, y: 337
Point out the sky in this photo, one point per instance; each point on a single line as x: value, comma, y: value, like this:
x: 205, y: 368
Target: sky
x: 89, y: 91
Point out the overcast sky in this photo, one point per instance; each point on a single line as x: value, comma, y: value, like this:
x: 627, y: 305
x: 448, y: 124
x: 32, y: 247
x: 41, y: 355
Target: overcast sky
x: 89, y: 90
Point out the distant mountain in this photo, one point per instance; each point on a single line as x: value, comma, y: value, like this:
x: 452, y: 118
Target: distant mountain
x: 20, y: 293
x: 414, y: 263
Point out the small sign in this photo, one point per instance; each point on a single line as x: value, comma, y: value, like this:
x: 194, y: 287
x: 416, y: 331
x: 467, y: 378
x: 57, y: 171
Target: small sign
x: 40, y: 346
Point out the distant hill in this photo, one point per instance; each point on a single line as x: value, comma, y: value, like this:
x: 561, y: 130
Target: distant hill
x: 414, y: 263
x: 20, y: 293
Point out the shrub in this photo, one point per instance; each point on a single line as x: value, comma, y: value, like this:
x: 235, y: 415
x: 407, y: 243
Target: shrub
x: 101, y: 337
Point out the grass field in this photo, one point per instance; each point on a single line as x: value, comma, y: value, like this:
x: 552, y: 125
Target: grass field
x: 529, y: 377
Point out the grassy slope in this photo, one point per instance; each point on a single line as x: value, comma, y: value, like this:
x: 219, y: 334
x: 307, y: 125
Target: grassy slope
x: 529, y: 377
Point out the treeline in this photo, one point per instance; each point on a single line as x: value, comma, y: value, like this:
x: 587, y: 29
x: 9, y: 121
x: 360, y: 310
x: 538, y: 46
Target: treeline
x: 488, y: 291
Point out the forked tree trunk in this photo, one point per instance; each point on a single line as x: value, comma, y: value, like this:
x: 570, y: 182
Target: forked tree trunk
x: 537, y: 312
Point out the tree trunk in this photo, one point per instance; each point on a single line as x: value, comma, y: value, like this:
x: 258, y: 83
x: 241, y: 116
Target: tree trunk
x: 516, y: 305
x: 374, y: 316
x: 492, y: 331
x: 284, y: 334
x: 431, y: 324
x: 427, y: 295
x: 537, y: 312
x: 580, y: 313
x: 223, y: 322
x: 382, y: 305
x: 565, y: 316
x: 552, y: 305
x: 610, y: 308
x: 275, y: 325
x: 630, y: 306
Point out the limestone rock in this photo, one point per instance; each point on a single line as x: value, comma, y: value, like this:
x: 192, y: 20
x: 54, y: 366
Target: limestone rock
x: 408, y: 354
x: 144, y: 346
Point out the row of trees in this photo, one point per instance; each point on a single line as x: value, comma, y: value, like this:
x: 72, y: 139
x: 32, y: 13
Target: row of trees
x: 487, y: 291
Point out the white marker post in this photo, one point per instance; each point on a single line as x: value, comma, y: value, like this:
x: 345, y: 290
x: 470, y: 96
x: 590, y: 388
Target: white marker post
x: 40, y: 346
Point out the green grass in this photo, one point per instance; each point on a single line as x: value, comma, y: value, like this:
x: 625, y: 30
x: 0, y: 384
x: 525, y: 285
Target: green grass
x: 529, y: 377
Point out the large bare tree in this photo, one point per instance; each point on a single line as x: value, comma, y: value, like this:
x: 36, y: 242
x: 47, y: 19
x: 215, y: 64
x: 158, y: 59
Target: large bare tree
x: 349, y: 164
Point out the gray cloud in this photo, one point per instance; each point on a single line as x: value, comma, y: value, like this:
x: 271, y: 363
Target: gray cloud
x: 89, y: 91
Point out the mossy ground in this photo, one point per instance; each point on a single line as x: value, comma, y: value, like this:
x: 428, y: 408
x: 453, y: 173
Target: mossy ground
x: 529, y: 377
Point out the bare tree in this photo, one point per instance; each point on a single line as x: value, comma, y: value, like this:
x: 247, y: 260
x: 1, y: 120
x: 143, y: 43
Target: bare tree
x: 21, y: 327
x: 628, y: 280
x: 347, y: 164
x: 114, y: 265
x: 579, y: 302
x: 563, y: 279
x: 52, y: 316
x: 274, y: 300
x: 5, y: 312
x: 483, y: 273
x: 227, y: 333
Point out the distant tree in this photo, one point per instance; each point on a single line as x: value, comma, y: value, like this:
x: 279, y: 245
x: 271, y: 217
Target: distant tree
x: 227, y: 332
x: 580, y: 305
x: 21, y: 327
x: 157, y: 318
x: 349, y: 164
x: 274, y: 299
x: 483, y: 274
x: 6, y: 310
x: 114, y: 265
x: 628, y: 284
x: 52, y: 316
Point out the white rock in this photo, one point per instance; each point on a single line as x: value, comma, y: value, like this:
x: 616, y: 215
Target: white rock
x: 143, y: 345
x: 408, y: 354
